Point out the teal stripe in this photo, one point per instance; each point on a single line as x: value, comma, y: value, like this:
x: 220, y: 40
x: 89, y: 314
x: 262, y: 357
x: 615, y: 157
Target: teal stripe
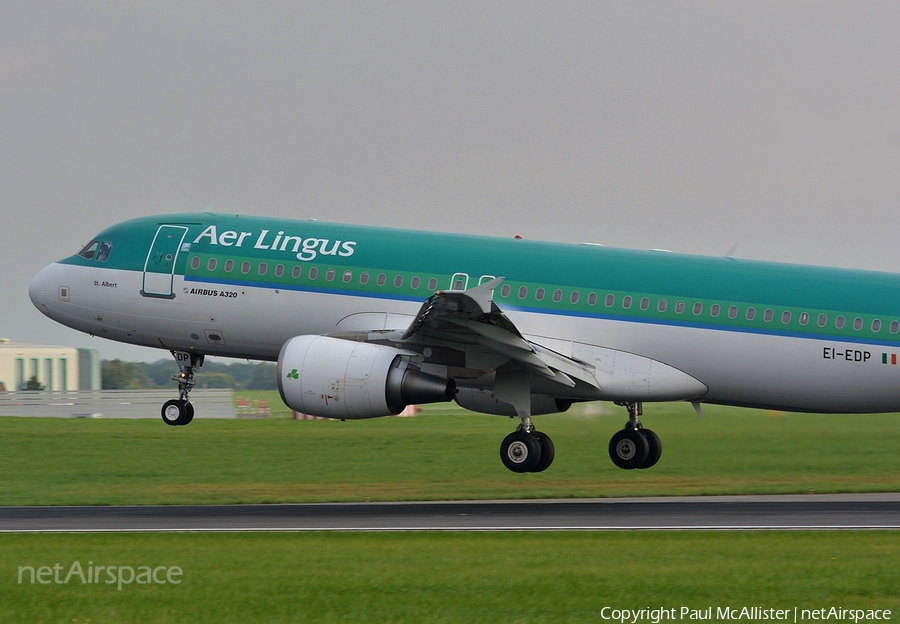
x: 552, y: 265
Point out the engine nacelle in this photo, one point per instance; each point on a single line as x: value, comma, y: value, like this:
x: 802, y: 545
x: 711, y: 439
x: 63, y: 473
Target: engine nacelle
x: 483, y: 401
x: 336, y: 378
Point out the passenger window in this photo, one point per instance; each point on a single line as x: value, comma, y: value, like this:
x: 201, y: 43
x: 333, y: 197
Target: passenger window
x: 279, y: 270
x: 768, y: 315
x: 714, y: 310
x: 557, y: 295
x: 195, y: 263
x: 381, y: 279
x: 348, y: 275
x: 839, y: 322
x: 432, y: 284
x: 523, y: 292
x: 823, y: 320
x: 857, y: 323
x: 398, y: 281
x: 263, y: 268
x: 804, y: 318
x: 414, y: 284
x: 698, y: 308
x: 574, y: 297
x: 296, y: 272
x: 211, y: 265
x: 364, y: 277
x: 895, y: 327
x: 103, y: 254
x: 539, y: 294
x: 645, y: 303
x: 732, y: 312
x: 592, y: 299
x: 87, y: 252
x: 610, y: 300
x: 626, y: 301
x: 313, y: 273
x: 751, y: 314
x: 661, y: 306
x: 679, y: 307
x: 786, y: 317
x: 329, y: 275
x: 229, y: 266
x: 245, y: 267
x: 504, y: 290
x: 876, y: 325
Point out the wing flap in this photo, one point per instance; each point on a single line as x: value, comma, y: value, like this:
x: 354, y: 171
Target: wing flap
x: 470, y: 317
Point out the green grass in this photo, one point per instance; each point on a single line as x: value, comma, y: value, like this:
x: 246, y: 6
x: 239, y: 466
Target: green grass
x: 443, y: 454
x: 448, y: 577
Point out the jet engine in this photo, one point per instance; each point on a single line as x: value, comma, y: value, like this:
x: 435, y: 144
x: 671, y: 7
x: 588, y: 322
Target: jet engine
x: 335, y: 378
x: 483, y: 401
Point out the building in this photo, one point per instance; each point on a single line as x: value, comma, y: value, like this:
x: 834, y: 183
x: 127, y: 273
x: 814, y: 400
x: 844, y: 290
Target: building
x: 56, y: 368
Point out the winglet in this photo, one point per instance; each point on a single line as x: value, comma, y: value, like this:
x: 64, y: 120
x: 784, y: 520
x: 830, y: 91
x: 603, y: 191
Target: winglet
x: 483, y: 294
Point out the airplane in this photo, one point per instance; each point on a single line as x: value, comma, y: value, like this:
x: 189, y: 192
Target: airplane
x: 363, y: 321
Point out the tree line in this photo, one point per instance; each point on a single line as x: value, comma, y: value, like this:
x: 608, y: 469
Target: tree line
x: 119, y: 375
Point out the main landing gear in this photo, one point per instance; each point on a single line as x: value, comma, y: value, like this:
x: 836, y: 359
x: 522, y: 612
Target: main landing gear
x: 180, y: 411
x: 526, y: 449
x: 634, y: 447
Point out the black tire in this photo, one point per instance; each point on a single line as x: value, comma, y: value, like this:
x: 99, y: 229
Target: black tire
x: 174, y: 412
x: 628, y: 449
x: 520, y: 452
x: 189, y: 416
x: 548, y: 451
x: 655, y: 449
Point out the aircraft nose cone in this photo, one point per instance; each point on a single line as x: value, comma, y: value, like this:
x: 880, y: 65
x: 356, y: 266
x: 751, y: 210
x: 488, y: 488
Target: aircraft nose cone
x: 37, y: 289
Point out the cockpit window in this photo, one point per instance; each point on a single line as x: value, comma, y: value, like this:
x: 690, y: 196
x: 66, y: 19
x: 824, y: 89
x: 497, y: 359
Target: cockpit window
x: 103, y: 253
x: 89, y: 250
x: 95, y: 250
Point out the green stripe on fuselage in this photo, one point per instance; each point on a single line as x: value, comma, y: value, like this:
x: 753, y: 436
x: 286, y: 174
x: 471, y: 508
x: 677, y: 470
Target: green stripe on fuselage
x: 551, y: 266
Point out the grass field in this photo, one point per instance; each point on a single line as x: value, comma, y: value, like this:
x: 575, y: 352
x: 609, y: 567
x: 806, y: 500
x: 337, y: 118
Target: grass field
x: 441, y: 577
x: 446, y: 577
x: 442, y: 454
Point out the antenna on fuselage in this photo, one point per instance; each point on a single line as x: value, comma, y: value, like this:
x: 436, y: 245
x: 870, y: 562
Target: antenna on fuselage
x: 209, y: 206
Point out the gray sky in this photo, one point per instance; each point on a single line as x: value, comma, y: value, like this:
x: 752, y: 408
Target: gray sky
x: 689, y: 126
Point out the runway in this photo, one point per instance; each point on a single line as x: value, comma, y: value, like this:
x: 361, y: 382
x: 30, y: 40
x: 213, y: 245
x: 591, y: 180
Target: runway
x: 834, y: 512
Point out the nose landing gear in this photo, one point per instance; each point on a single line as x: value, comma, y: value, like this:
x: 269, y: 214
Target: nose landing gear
x: 634, y: 447
x: 177, y: 412
x: 180, y: 411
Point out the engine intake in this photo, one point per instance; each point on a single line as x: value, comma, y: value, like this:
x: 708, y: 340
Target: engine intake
x: 335, y: 378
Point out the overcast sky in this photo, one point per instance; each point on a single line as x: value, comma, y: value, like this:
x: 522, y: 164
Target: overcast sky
x: 688, y: 126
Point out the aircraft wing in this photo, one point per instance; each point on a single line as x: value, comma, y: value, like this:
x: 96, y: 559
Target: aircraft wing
x: 469, y: 320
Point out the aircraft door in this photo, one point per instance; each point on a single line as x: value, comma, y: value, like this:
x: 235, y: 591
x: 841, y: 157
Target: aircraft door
x: 459, y: 281
x: 159, y: 269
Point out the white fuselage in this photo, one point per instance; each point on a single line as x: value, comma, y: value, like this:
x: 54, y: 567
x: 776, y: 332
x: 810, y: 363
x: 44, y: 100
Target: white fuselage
x: 804, y: 374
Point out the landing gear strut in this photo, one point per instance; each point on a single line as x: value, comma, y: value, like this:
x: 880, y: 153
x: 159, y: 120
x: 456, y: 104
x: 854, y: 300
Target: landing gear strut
x: 634, y: 447
x: 526, y: 449
x: 180, y: 411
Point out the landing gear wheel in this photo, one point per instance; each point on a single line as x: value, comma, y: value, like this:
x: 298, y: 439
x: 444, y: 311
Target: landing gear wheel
x: 520, y: 452
x: 548, y: 451
x: 655, y: 449
x: 176, y: 412
x: 190, y: 413
x: 628, y: 449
